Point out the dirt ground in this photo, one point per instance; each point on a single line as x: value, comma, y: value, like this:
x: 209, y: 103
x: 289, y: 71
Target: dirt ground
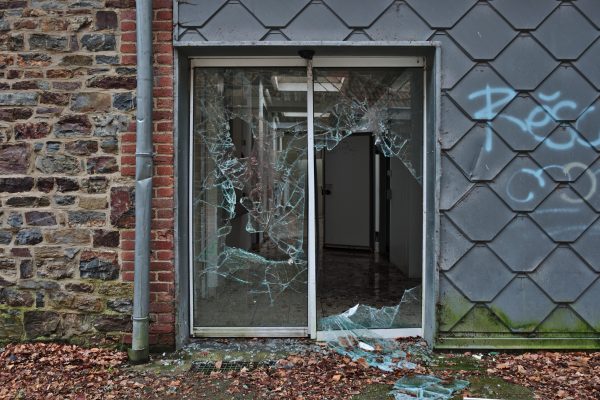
x: 259, y: 369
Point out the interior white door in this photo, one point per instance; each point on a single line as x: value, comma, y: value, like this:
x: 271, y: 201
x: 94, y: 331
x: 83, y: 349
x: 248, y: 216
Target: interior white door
x: 347, y: 193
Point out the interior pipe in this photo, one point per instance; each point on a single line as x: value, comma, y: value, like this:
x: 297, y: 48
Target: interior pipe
x: 139, y: 352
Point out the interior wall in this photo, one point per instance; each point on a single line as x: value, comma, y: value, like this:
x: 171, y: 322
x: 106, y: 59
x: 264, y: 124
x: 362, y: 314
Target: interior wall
x: 405, y: 220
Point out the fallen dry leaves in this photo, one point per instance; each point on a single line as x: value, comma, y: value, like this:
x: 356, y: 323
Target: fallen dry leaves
x: 553, y: 375
x: 58, y: 371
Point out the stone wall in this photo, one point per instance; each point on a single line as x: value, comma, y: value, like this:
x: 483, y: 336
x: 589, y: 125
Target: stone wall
x: 67, y: 161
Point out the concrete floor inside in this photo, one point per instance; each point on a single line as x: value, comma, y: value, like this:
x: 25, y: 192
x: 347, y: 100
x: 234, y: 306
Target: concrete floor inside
x: 346, y: 278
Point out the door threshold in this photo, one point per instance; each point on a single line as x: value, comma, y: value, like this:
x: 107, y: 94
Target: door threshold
x: 325, y: 336
x: 251, y: 332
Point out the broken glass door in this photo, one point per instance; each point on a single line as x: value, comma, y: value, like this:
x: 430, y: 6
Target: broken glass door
x: 360, y: 286
x: 252, y: 271
x: 249, y: 218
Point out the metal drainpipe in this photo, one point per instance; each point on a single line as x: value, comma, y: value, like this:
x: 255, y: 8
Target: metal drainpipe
x: 139, y: 351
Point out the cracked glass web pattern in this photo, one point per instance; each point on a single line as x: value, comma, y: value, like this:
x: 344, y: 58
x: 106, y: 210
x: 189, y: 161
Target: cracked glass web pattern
x: 250, y: 177
x: 248, y: 201
x: 377, y: 101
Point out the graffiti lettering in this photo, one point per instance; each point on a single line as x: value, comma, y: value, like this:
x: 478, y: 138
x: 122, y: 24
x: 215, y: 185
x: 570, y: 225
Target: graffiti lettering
x: 539, y: 117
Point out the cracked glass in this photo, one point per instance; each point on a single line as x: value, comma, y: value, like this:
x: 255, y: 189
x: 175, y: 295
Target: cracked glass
x: 384, y: 106
x: 249, y: 184
x: 249, y: 181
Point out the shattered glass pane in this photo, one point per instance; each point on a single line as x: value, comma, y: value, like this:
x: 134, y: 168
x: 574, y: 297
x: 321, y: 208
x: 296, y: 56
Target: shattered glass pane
x: 350, y: 336
x: 385, y: 104
x: 379, y: 101
x: 354, y: 339
x: 249, y: 198
x: 249, y: 179
x: 426, y: 387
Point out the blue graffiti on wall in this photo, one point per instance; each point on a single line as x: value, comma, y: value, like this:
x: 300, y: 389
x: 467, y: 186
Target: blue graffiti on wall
x: 540, y: 116
x: 565, y: 143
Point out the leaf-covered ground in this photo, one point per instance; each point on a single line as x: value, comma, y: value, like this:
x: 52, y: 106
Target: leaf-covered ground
x: 57, y: 371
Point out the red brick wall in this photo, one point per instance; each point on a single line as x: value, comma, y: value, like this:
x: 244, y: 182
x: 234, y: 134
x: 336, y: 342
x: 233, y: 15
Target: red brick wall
x: 162, y: 274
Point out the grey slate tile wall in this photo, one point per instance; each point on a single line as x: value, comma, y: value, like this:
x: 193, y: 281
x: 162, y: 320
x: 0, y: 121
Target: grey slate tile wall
x: 520, y: 135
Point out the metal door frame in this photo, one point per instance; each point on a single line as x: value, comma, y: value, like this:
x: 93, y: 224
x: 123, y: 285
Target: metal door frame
x: 320, y: 61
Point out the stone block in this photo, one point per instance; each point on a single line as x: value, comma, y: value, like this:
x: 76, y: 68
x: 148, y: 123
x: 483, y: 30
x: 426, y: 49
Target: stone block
x: 8, y: 265
x: 55, y: 269
x: 14, y: 158
x: 113, y: 82
x: 40, y: 300
x: 19, y: 99
x: 68, y: 85
x: 53, y: 147
x: 11, y: 325
x: 116, y: 289
x: 99, y: 265
x: 59, y: 74
x: 14, y: 220
x: 16, y: 298
x: 58, y: 99
x: 82, y: 147
x: 29, y: 237
x: 102, y: 165
x: 32, y: 130
x: 103, y: 59
x: 72, y: 125
x: 14, y: 114
x: 82, y: 287
x: 40, y: 218
x: 122, y: 207
x: 69, y: 236
x: 124, y: 306
x: 6, y: 236
x: 33, y: 60
x: 58, y: 164
x: 45, y: 185
x: 93, y: 203
x: 64, y: 200
x: 67, y: 185
x: 20, y: 252
x: 30, y: 85
x: 26, y: 269
x: 110, y: 124
x: 113, y: 323
x: 80, y: 302
x: 12, y: 42
x: 94, y: 102
x: 123, y: 101
x: 41, y: 323
x: 103, y: 238
x: 37, y: 284
x: 110, y: 145
x: 40, y: 41
x: 76, y: 61
x: 86, y: 218
x: 16, y: 185
x: 94, y: 184
x: 106, y: 20
x: 126, y: 70
x: 98, y: 42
